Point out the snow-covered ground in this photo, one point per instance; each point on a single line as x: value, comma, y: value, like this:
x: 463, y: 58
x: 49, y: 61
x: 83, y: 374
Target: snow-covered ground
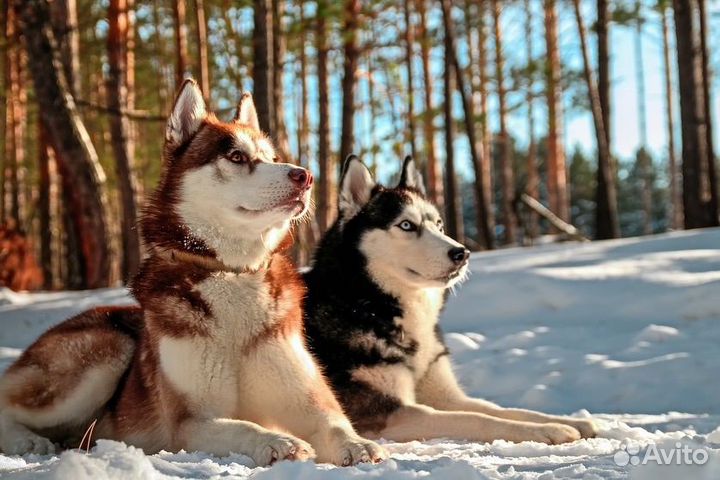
x: 627, y: 330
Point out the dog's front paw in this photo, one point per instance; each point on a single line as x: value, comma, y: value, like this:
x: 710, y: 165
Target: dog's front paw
x: 553, y: 433
x: 358, y: 450
x: 275, y: 447
x: 587, y: 428
x: 27, y: 443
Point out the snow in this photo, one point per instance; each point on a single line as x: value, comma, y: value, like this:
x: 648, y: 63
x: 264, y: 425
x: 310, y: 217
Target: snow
x: 627, y: 329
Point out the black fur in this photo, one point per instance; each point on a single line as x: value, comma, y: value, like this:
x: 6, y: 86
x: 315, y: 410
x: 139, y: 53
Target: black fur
x: 344, y: 303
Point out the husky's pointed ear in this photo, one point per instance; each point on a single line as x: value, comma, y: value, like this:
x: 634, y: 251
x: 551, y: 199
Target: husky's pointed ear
x: 411, y: 176
x: 356, y: 187
x: 187, y: 115
x: 246, y: 113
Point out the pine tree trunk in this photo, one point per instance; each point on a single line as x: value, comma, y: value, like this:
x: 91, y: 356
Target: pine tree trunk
x: 453, y: 202
x: 485, y: 236
x: 325, y: 191
x: 202, y: 48
x: 278, y: 93
x: 645, y: 165
x: 44, y: 208
x: 68, y: 137
x: 117, y: 93
x: 603, y: 46
x: 711, y: 167
x: 485, y: 131
x: 181, y: 48
x: 262, y: 64
x: 556, y: 173
x: 675, y: 200
x: 696, y: 198
x: 434, y: 175
x: 533, y: 177
x: 65, y: 26
x: 5, y: 89
x: 507, y: 177
x: 14, y: 142
x: 237, y: 44
x: 352, y: 55
x: 409, y: 57
x: 606, y: 218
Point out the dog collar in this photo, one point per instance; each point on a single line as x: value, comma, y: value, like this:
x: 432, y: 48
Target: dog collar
x: 206, y: 263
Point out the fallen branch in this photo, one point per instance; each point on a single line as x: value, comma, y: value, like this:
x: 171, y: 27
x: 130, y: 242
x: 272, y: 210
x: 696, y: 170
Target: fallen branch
x: 557, y: 222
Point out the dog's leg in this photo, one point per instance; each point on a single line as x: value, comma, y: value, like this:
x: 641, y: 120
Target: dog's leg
x: 63, y: 380
x: 439, y: 389
x: 17, y: 439
x: 298, y: 396
x: 221, y: 436
x: 418, y: 422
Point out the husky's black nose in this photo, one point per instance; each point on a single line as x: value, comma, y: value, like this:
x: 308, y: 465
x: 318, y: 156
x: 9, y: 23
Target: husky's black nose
x: 458, y: 255
x: 301, y: 177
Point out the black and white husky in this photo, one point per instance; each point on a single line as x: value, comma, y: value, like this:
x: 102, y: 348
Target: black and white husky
x: 376, y: 290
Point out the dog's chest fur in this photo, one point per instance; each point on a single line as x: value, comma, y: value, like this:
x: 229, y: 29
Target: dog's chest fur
x: 418, y: 324
x: 208, y: 369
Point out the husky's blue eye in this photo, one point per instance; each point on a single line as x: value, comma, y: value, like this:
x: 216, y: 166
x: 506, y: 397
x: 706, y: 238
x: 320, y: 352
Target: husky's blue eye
x: 407, y: 225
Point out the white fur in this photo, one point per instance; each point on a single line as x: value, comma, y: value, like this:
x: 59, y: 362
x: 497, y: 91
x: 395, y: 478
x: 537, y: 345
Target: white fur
x: 17, y: 439
x: 276, y: 384
x: 357, y: 185
x: 188, y: 114
x: 212, y: 382
x: 237, y: 213
x: 392, y: 253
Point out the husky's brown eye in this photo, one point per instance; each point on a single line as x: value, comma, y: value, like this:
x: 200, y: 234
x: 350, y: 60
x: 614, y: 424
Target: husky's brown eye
x: 238, y: 156
x: 440, y: 226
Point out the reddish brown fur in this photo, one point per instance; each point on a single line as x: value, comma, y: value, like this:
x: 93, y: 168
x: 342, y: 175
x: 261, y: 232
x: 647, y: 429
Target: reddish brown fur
x: 95, y: 335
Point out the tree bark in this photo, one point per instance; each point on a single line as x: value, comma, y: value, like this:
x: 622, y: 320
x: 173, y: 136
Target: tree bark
x: 606, y: 217
x: 711, y: 167
x: 262, y: 63
x: 556, y: 171
x: 507, y: 177
x: 325, y: 191
x: 533, y: 177
x: 485, y: 132
x: 409, y: 56
x: 675, y: 200
x: 202, y: 48
x: 433, y: 173
x: 695, y: 152
x: 278, y: 94
x: 68, y: 137
x: 4, y: 75
x: 15, y: 120
x: 65, y: 27
x: 44, y: 208
x: 304, y: 120
x: 603, y: 46
x: 117, y: 93
x: 453, y: 203
x: 181, y: 49
x: 644, y: 164
x: 352, y: 55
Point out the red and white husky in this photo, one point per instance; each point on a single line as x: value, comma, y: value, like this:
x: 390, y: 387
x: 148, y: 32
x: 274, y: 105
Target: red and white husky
x: 214, y: 359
